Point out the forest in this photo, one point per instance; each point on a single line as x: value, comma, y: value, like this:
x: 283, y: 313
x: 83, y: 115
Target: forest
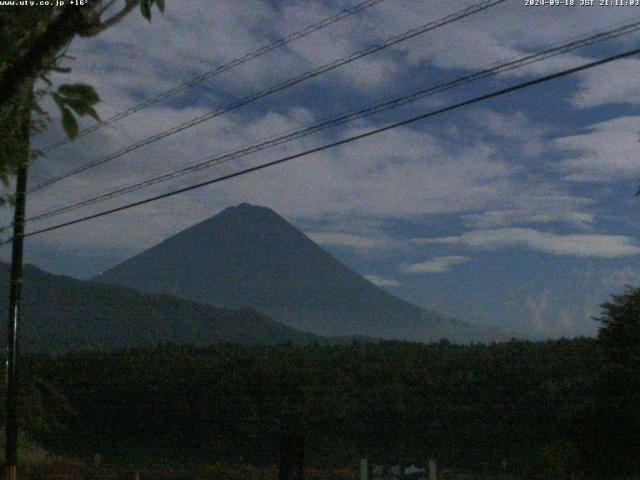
x: 515, y: 406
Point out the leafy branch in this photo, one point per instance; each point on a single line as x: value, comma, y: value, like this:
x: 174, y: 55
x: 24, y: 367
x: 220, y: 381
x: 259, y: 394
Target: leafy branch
x: 40, y: 49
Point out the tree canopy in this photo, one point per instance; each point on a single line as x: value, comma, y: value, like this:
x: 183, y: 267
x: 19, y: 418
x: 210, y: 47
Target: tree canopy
x: 34, y: 44
x: 611, y: 428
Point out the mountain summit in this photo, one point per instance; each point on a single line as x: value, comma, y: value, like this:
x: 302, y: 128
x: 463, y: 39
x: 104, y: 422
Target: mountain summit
x: 249, y: 256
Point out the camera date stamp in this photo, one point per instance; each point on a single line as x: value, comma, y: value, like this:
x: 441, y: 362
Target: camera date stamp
x: 582, y: 3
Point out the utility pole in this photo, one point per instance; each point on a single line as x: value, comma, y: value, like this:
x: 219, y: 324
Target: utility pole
x: 15, y: 287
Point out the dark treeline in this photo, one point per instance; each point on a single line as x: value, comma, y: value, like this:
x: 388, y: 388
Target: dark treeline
x: 516, y: 407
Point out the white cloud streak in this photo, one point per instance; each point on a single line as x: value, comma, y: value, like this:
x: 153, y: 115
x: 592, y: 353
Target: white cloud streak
x: 346, y: 240
x: 436, y: 264
x: 502, y: 218
x: 382, y: 281
x: 577, y: 245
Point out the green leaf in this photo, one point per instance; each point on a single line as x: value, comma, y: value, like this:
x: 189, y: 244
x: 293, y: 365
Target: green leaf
x: 81, y: 108
x: 80, y: 91
x: 160, y: 4
x: 93, y: 114
x: 58, y: 99
x: 78, y: 105
x: 145, y: 9
x: 79, y: 97
x: 69, y: 123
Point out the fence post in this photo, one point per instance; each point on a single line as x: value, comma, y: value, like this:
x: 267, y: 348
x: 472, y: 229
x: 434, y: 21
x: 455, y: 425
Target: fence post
x: 364, y: 469
x: 433, y: 474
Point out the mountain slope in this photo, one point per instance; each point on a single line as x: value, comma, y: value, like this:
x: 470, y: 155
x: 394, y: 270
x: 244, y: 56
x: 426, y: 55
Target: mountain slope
x: 250, y: 256
x: 61, y: 313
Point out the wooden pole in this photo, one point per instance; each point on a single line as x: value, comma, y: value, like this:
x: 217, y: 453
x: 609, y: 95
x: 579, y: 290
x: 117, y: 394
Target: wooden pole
x: 15, y: 288
x: 364, y: 469
x: 433, y: 474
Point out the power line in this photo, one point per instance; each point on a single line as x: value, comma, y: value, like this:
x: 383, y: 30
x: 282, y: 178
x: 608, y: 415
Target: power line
x: 518, y: 62
x: 361, y: 136
x: 221, y: 69
x: 414, y: 32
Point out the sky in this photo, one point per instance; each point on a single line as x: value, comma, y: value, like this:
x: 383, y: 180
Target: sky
x: 518, y: 212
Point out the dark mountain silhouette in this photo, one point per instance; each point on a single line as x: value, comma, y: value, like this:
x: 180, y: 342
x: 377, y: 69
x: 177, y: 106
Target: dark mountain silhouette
x: 61, y: 314
x: 248, y: 256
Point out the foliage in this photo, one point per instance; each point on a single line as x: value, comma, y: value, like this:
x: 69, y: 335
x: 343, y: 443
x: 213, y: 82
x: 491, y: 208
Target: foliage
x: 502, y: 408
x: 145, y: 7
x: 620, y: 331
x: 34, y: 46
x: 79, y: 99
x: 613, y: 421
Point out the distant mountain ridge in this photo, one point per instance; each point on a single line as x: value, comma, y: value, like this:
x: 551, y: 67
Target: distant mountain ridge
x: 249, y: 256
x: 61, y: 314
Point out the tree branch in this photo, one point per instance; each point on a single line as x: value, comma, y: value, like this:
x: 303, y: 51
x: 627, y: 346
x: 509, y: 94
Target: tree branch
x: 71, y: 22
x: 94, y: 30
x: 106, y: 7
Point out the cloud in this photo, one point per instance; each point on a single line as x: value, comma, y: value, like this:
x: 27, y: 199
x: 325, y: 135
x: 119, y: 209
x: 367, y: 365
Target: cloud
x: 504, y: 32
x: 503, y: 218
x: 616, y: 280
x: 346, y: 240
x: 436, y: 264
x: 382, y: 281
x: 577, y: 245
x: 175, y: 46
x: 405, y: 173
x: 608, y: 84
x: 608, y: 152
x: 550, y: 317
x: 514, y: 128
